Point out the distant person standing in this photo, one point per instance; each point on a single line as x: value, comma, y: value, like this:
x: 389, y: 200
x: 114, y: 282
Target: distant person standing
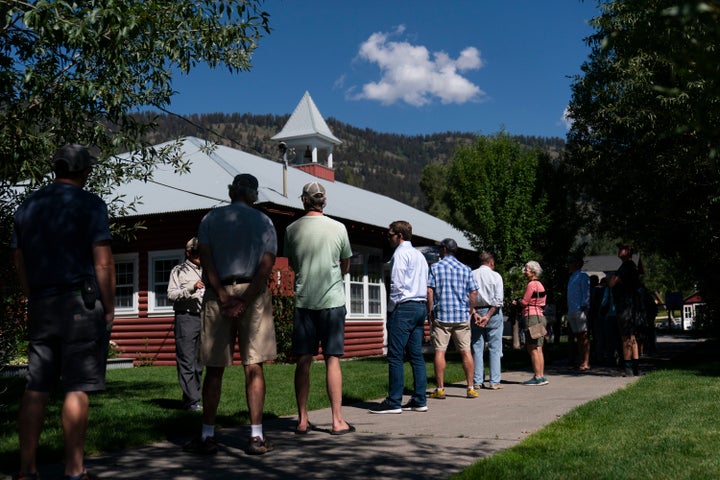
x: 487, y: 322
x: 319, y: 251
x: 578, y: 303
x: 238, y: 244
x: 451, y: 296
x: 185, y: 290
x: 406, y: 321
x: 61, y: 248
x: 533, y: 304
x: 625, y: 284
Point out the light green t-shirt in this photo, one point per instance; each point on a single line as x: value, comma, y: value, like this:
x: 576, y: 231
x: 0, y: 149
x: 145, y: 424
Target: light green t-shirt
x: 315, y: 245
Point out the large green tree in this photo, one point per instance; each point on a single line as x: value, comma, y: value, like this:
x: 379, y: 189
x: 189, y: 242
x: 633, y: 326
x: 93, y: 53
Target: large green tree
x: 646, y: 130
x: 79, y: 72
x: 496, y: 191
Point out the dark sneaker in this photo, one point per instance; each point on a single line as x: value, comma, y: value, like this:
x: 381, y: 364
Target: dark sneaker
x: 411, y: 406
x: 259, y: 446
x: 201, y: 447
x: 195, y: 407
x: 26, y: 476
x: 83, y: 476
x: 385, y: 408
x: 534, y: 381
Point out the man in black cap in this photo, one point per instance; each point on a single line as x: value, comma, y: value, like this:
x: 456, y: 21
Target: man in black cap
x: 238, y: 244
x: 61, y: 248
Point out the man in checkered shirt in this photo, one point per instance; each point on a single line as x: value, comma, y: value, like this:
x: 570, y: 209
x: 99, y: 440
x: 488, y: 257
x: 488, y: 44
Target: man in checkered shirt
x: 452, y: 292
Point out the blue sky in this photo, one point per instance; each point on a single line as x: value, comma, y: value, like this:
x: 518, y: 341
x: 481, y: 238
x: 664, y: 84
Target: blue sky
x: 409, y: 67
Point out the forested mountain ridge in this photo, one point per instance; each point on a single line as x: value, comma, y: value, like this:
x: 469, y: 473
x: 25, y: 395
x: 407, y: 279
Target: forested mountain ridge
x: 386, y: 163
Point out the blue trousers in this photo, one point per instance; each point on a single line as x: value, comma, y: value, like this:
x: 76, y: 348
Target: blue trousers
x: 405, y: 333
x: 492, y: 335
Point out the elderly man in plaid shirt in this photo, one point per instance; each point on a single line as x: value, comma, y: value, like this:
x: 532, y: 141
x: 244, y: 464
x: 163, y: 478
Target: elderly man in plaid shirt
x: 452, y: 293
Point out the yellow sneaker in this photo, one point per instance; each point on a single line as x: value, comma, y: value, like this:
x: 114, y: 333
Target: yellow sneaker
x: 472, y: 393
x: 438, y: 393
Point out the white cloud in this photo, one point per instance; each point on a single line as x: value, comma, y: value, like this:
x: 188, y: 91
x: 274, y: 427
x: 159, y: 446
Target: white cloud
x: 566, y: 119
x: 410, y: 73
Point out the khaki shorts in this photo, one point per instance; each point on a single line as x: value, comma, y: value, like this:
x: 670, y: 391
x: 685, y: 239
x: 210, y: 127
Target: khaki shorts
x: 459, y: 332
x: 255, y: 330
x: 529, y: 322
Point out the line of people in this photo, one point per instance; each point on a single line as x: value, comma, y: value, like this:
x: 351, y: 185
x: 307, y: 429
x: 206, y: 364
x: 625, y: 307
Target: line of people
x: 61, y: 246
x: 612, y: 320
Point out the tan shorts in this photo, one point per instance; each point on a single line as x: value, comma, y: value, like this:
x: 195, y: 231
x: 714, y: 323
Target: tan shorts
x: 255, y: 330
x: 530, y: 321
x: 459, y: 332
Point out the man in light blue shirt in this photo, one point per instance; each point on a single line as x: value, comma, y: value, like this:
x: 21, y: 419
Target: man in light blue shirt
x: 578, y: 300
x: 487, y: 323
x: 452, y: 295
x: 406, y: 321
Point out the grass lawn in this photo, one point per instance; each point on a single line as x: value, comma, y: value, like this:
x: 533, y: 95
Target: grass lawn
x: 665, y: 426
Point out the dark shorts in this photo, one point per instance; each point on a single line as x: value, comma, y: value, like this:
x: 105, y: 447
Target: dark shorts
x: 319, y: 327
x: 67, y: 341
x: 626, y: 323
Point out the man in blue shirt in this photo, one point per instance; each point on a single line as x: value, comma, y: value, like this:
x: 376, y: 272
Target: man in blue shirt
x: 61, y: 248
x: 452, y: 292
x: 578, y: 300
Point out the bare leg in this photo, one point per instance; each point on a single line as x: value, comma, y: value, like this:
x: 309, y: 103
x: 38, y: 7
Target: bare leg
x: 74, y: 421
x: 255, y: 392
x: 211, y: 391
x: 537, y: 360
x: 334, y: 390
x: 302, y: 389
x: 583, y: 341
x: 630, y: 348
x: 468, y: 366
x: 30, y: 424
x: 439, y: 365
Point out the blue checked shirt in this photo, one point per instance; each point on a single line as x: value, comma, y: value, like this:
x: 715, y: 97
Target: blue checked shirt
x: 452, y: 282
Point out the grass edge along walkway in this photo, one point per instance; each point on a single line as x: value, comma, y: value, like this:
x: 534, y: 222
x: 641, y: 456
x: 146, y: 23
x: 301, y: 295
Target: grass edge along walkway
x: 664, y: 426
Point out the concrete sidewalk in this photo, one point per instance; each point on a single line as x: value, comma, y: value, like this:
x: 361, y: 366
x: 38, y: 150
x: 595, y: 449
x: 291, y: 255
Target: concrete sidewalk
x: 452, y: 435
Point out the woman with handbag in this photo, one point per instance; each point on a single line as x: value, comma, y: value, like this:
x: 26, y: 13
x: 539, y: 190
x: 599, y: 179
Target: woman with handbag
x: 533, y: 305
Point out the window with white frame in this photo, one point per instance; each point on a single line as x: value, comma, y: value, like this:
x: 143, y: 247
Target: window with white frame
x: 364, y: 284
x: 160, y: 263
x: 126, y: 283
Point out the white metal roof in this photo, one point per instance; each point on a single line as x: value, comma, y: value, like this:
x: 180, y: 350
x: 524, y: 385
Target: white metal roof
x: 206, y: 186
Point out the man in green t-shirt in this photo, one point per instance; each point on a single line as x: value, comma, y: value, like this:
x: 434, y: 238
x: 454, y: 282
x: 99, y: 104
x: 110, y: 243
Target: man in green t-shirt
x: 319, y: 251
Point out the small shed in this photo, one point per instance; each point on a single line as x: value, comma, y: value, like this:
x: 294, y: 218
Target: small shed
x: 692, y: 312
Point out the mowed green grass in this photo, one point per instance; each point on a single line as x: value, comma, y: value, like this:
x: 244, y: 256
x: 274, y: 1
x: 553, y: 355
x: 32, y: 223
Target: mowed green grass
x: 665, y: 426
